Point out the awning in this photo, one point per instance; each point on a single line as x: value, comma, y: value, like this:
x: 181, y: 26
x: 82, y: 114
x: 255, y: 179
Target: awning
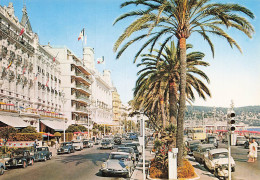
x: 55, y: 125
x: 13, y: 121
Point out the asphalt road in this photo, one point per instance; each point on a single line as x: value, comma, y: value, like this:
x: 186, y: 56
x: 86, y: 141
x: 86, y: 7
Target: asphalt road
x: 244, y: 170
x: 81, y: 165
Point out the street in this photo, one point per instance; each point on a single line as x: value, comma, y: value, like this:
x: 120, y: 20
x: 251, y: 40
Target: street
x: 79, y: 165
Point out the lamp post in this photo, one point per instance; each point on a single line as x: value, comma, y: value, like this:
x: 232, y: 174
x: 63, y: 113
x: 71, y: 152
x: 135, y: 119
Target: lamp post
x: 143, y: 124
x: 63, y: 100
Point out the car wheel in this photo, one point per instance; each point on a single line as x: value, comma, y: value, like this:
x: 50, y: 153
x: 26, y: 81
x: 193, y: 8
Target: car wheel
x: 1, y: 170
x: 233, y: 169
x: 32, y: 162
x: 44, y: 158
x: 50, y: 157
x: 24, y: 164
x: 103, y: 174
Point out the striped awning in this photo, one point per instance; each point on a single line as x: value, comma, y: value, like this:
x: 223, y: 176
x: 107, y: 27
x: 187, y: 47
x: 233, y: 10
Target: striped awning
x: 13, y: 121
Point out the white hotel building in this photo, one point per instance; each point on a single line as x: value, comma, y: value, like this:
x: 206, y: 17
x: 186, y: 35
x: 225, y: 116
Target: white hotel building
x: 30, y: 80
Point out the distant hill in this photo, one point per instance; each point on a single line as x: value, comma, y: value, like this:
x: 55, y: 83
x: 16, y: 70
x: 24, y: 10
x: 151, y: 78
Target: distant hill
x: 238, y: 110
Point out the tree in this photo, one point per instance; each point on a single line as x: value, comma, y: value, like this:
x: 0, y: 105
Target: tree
x: 5, y: 133
x: 29, y: 129
x: 168, y: 19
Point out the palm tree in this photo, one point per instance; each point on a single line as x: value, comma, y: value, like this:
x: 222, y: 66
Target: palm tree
x: 179, y: 19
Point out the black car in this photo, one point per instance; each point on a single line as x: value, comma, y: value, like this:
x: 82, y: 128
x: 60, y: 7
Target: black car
x: 117, y: 140
x: 257, y: 140
x: 42, y: 154
x: 20, y: 157
x: 192, y: 146
x: 211, y: 140
x: 66, y: 147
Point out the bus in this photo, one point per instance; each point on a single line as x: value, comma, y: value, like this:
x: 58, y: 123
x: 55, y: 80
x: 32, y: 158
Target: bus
x: 198, y: 133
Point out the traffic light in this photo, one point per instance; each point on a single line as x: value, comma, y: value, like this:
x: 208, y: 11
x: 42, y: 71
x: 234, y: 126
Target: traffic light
x: 231, y: 121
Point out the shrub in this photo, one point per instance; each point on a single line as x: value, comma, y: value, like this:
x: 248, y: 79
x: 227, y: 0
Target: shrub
x: 186, y: 171
x: 57, y: 134
x: 29, y: 129
x: 25, y: 136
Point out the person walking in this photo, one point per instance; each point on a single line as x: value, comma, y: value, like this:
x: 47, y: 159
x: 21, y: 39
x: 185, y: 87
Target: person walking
x: 255, y: 149
x: 251, y: 153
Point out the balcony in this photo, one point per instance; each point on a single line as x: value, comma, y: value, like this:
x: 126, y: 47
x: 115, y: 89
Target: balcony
x: 81, y: 67
x: 83, y: 88
x: 4, y: 29
x: 81, y: 98
x: 80, y: 109
x: 81, y: 77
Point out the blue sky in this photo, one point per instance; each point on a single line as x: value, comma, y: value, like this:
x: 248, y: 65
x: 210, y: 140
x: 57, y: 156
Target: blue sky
x: 233, y: 76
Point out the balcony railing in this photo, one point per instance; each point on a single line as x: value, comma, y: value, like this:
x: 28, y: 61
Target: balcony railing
x: 16, y: 37
x: 83, y: 98
x: 83, y: 77
x: 84, y: 88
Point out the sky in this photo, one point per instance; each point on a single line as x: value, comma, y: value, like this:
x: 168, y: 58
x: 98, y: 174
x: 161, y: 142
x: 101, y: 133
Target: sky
x: 234, y: 76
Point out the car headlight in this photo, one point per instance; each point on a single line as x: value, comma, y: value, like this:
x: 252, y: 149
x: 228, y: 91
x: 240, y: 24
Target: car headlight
x: 20, y: 161
x: 103, y: 165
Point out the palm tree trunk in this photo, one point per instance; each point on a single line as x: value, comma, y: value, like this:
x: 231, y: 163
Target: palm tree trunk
x: 163, y: 112
x: 173, y: 101
x: 182, y: 102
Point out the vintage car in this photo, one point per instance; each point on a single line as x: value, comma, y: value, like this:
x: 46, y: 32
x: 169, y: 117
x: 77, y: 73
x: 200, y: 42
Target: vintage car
x: 20, y: 157
x: 202, y: 152
x: 140, y: 149
x: 240, y: 140
x: 65, y: 147
x: 135, y: 147
x: 211, y: 140
x: 257, y: 140
x: 107, y: 143
x: 78, y: 145
x: 91, y: 143
x: 218, y: 157
x: 42, y: 154
x: 192, y: 146
x: 2, y: 168
x: 86, y: 144
x: 118, y: 163
x: 129, y: 150
x: 117, y: 140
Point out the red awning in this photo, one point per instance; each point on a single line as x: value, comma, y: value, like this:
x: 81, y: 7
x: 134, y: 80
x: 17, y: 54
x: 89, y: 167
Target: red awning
x: 9, y: 104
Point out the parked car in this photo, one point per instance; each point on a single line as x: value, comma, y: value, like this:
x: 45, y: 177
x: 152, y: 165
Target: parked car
x: 2, y: 168
x: 20, y: 157
x: 98, y: 141
x: 117, y: 140
x: 118, y: 163
x: 240, y: 140
x: 133, y: 136
x: 78, y: 145
x: 202, y: 152
x: 91, y: 143
x: 107, y: 144
x: 257, y: 140
x: 192, y: 146
x: 66, y: 147
x: 140, y: 149
x: 129, y: 150
x: 86, y: 144
x: 211, y: 140
x: 218, y: 157
x: 42, y: 154
x: 134, y: 146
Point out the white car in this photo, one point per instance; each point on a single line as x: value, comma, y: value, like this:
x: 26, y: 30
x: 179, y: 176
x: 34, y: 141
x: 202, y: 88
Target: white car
x: 78, y: 145
x: 240, y: 140
x: 218, y: 157
x: 118, y: 163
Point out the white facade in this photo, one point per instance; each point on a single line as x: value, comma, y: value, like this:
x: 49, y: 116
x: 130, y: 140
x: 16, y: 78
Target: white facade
x: 101, y: 97
x: 76, y: 81
x: 29, y: 78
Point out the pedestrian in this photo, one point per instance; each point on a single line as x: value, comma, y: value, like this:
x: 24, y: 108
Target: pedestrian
x: 255, y: 147
x: 34, y: 145
x: 251, y: 153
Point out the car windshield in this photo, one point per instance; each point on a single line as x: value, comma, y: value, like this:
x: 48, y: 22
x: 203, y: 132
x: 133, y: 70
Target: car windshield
x: 241, y: 138
x: 220, y: 155
x: 206, y: 149
x: 212, y: 140
x: 118, y: 156
x: 76, y: 142
x: 65, y: 144
x: 41, y: 149
x: 128, y: 150
x: 131, y: 145
x: 194, y: 142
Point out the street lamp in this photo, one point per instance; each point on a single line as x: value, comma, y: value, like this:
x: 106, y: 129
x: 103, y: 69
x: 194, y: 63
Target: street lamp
x: 88, y: 110
x: 63, y: 100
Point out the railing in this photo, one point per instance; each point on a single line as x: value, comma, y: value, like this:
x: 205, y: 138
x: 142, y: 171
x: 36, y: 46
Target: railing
x: 84, y: 88
x: 16, y: 37
x: 83, y: 98
x: 83, y: 77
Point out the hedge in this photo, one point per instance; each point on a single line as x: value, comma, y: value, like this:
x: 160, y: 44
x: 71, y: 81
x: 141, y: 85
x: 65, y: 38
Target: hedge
x: 25, y: 137
x: 186, y: 171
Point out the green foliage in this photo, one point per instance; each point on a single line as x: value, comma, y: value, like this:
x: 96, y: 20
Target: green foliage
x: 157, y: 144
x: 29, y: 129
x: 171, y: 129
x: 57, y: 134
x: 25, y: 136
x: 76, y: 128
x: 5, y: 132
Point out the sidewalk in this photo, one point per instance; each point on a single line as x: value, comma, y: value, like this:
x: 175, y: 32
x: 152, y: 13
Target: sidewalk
x: 138, y: 172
